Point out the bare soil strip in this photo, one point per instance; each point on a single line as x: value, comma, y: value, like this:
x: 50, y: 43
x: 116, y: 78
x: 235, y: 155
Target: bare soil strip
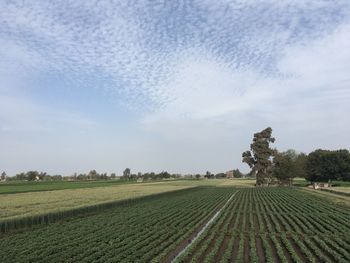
x: 260, y: 250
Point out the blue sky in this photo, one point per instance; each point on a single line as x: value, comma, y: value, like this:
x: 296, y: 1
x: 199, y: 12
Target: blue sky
x: 169, y: 85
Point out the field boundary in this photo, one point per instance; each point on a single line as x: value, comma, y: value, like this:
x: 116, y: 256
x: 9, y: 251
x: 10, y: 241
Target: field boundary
x: 336, y: 192
x: 9, y: 225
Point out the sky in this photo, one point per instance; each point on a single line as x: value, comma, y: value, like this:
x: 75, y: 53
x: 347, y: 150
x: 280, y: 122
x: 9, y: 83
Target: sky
x: 180, y: 86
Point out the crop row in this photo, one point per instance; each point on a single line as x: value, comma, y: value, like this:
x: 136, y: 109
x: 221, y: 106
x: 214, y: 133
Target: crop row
x: 275, y: 225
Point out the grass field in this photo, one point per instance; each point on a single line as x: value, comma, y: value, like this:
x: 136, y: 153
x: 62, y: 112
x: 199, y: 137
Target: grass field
x: 256, y: 225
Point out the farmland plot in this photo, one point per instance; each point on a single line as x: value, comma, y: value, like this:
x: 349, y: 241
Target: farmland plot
x: 275, y: 225
x: 145, y: 230
x: 254, y: 225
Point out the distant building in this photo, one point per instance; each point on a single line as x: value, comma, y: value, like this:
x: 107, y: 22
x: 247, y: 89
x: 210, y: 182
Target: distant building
x: 318, y: 185
x: 229, y: 174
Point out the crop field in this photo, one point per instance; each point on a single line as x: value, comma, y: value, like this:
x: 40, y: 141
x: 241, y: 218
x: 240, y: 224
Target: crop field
x: 245, y: 225
x: 139, y: 232
x: 42, y: 202
x: 23, y: 187
x: 275, y: 225
x: 35, y: 203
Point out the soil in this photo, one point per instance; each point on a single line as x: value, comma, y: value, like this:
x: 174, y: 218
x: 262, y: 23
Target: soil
x: 285, y: 251
x: 260, y: 250
x: 273, y: 250
x: 246, y: 249
x: 223, y: 247
x: 235, y: 248
x: 297, y: 249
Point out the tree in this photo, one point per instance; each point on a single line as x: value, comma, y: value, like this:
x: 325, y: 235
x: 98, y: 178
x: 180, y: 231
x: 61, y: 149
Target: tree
x: 113, y: 176
x: 325, y: 165
x: 93, y: 175
x: 283, y: 167
x: 208, y: 175
x: 3, y: 176
x: 32, y: 175
x: 259, y: 156
x: 288, y: 165
x: 300, y: 165
x: 220, y: 175
x: 198, y: 176
x: 237, y: 173
x: 127, y: 174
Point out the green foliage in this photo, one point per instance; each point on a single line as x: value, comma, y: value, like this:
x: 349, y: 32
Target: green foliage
x: 144, y: 230
x: 127, y: 174
x: 237, y: 173
x: 325, y: 165
x: 259, y: 156
x: 288, y: 165
x: 220, y: 175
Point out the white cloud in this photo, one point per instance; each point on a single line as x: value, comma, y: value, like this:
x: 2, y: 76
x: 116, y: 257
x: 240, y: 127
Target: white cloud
x: 205, y: 75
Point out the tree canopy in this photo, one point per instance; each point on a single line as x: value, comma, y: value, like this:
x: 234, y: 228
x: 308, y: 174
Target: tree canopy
x: 325, y: 165
x: 287, y: 165
x: 259, y: 158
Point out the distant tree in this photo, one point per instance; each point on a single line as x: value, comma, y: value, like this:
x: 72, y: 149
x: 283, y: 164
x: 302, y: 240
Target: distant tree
x: 237, y: 173
x: 325, y: 165
x: 127, y: 174
x: 21, y: 176
x: 220, y: 175
x: 93, y: 175
x: 113, y: 176
x: 3, y: 176
x: 32, y: 175
x: 208, y: 175
x: 259, y: 158
x: 42, y: 175
x: 198, y: 176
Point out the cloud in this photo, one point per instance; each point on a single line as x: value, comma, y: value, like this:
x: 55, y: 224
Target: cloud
x: 198, y: 74
x: 20, y: 114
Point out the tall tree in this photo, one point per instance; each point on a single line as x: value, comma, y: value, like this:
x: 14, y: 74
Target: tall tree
x: 259, y: 158
x: 3, y: 176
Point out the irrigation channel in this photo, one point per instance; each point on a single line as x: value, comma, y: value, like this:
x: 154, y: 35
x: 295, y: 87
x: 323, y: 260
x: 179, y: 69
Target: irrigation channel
x: 211, y: 220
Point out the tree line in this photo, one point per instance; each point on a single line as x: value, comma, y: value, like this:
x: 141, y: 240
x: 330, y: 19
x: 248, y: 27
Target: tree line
x: 92, y: 175
x: 270, y: 166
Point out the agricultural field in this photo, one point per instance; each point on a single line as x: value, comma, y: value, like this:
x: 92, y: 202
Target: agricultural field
x: 32, y: 186
x: 200, y: 224
x: 36, y: 203
x: 275, y: 225
x: 148, y: 229
x: 45, y: 201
